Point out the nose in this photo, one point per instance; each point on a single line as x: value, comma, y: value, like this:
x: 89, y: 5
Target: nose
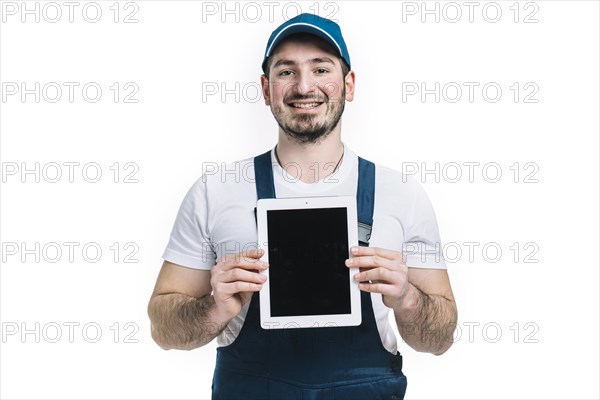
x: 305, y: 84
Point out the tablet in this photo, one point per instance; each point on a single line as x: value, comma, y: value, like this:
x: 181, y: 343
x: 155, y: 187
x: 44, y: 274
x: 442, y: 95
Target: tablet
x: 307, y: 241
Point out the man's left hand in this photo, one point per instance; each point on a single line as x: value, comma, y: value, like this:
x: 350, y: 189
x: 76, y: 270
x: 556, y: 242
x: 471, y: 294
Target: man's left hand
x: 381, y: 271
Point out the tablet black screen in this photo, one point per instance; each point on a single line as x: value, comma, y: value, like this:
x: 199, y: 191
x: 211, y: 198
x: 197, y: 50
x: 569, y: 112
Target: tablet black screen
x: 307, y: 251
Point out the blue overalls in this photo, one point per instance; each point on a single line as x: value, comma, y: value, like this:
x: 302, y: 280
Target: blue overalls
x: 310, y: 363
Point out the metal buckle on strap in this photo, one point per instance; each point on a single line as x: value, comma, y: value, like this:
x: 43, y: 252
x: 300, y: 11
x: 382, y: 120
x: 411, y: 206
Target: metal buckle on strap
x: 364, y: 233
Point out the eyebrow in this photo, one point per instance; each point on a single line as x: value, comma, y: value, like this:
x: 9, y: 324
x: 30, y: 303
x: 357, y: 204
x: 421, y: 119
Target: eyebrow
x: 317, y: 60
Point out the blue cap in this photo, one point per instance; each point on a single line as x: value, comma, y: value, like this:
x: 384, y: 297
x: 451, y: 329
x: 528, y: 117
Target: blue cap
x: 324, y: 28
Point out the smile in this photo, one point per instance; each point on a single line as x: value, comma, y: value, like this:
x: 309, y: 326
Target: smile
x: 305, y: 106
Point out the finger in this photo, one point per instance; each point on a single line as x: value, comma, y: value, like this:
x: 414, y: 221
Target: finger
x: 239, y: 274
x: 238, y: 287
x: 373, y: 261
x: 253, y: 252
x: 374, y: 251
x: 379, y: 274
x: 250, y: 254
x: 239, y: 261
x: 379, y: 287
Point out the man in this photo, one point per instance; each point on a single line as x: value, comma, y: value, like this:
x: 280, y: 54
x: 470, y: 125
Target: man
x: 206, y: 290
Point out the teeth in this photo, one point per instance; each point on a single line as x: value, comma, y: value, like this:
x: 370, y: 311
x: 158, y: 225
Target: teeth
x: 309, y: 105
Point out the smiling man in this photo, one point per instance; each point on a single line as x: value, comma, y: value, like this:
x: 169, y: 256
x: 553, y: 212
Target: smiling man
x: 206, y: 290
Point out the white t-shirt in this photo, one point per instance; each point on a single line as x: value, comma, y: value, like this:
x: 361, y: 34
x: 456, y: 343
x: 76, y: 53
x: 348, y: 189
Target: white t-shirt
x: 216, y: 218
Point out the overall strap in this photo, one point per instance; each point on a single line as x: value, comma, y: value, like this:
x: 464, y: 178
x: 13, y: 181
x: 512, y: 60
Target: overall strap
x: 263, y: 175
x: 365, y: 199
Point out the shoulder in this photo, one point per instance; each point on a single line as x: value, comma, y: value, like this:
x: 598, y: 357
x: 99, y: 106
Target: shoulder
x: 225, y: 173
x: 399, y: 192
x: 392, y: 181
x: 221, y: 181
x: 393, y: 176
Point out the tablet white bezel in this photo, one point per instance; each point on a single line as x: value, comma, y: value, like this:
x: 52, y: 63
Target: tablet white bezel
x: 308, y: 321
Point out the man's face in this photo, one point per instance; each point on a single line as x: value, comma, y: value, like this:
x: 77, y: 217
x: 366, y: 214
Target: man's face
x: 306, y: 89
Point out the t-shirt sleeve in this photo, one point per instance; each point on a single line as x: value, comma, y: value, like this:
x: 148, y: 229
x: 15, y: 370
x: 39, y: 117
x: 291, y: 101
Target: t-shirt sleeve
x: 422, y: 244
x: 189, y: 244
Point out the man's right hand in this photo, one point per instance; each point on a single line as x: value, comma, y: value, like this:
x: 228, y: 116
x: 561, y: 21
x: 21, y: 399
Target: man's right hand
x: 235, y: 278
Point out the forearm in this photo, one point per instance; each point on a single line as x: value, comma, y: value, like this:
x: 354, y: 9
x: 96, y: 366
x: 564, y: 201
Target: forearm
x: 184, y: 322
x: 426, y: 322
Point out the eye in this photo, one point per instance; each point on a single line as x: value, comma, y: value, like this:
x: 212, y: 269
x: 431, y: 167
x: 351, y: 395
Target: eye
x: 285, y: 72
x: 321, y: 71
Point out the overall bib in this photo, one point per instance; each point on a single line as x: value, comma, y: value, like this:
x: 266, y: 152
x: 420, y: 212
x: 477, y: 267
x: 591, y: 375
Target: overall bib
x: 310, y: 363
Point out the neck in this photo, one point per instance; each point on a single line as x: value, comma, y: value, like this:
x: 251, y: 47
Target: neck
x: 310, y: 162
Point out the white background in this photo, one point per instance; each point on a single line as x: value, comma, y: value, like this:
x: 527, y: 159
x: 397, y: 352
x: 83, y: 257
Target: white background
x: 534, y: 324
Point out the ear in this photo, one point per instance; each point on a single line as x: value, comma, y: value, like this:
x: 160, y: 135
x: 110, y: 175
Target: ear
x: 264, y: 82
x: 349, y: 81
